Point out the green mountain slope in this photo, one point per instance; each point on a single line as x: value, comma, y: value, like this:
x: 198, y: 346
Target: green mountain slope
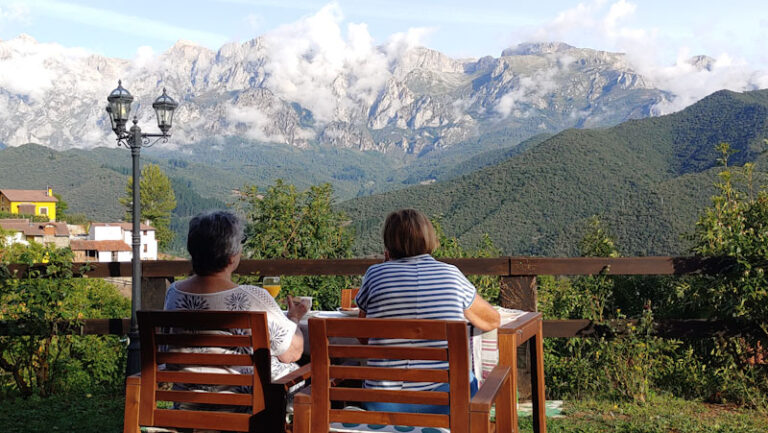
x: 535, y: 202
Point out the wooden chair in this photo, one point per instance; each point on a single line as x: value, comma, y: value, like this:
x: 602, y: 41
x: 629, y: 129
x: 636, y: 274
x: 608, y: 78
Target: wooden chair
x: 313, y: 410
x: 263, y: 410
x: 347, y: 296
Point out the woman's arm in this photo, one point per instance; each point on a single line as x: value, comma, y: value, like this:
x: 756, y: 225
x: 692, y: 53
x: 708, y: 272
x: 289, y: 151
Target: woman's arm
x: 296, y: 310
x: 481, y: 314
x: 295, y: 350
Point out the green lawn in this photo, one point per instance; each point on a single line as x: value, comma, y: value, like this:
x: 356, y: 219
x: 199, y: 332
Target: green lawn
x: 104, y: 414
x: 659, y: 415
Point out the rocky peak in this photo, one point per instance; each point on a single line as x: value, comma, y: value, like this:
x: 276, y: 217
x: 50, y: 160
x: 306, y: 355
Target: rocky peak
x: 536, y: 48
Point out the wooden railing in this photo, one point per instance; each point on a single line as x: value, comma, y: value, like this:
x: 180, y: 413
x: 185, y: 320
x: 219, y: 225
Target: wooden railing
x: 517, y: 275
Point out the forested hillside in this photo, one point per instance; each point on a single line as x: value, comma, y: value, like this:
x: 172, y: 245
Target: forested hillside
x: 646, y: 178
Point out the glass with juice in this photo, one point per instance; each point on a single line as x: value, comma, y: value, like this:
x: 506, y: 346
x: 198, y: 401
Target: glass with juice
x: 272, y: 285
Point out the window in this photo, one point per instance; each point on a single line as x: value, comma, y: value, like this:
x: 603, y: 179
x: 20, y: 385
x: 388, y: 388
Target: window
x: 114, y: 256
x: 145, y: 248
x: 145, y: 233
x: 43, y: 211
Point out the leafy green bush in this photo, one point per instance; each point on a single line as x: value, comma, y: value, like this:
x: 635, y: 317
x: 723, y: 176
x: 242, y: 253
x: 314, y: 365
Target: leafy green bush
x: 637, y: 364
x: 39, y: 359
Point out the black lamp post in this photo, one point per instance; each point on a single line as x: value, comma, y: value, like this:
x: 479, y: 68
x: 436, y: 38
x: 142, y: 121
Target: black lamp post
x: 119, y: 109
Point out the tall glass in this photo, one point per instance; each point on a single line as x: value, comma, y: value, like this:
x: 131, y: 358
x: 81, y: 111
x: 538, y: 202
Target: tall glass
x: 272, y: 285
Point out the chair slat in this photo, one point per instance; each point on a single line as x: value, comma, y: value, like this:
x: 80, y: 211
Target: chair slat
x: 389, y: 418
x: 388, y: 352
x: 205, y: 397
x: 204, y: 378
x: 396, y: 374
x: 390, y: 396
x: 383, y: 328
x: 202, y: 419
x: 203, y: 340
x: 208, y: 320
x: 203, y: 359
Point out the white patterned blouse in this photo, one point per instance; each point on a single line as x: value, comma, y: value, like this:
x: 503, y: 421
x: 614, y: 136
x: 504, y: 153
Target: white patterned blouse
x: 240, y: 298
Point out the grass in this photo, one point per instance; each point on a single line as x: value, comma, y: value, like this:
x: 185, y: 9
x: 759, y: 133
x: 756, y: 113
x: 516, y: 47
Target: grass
x: 659, y: 415
x: 104, y: 414
x: 101, y: 413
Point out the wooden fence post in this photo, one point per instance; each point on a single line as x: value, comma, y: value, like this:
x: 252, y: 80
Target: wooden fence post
x: 153, y: 292
x: 519, y: 292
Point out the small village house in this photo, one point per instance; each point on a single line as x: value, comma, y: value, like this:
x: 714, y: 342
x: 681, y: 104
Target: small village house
x: 29, y: 202
x: 46, y: 233
x: 111, y: 242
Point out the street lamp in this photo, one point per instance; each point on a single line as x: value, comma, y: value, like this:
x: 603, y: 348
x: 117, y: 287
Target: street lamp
x: 119, y: 109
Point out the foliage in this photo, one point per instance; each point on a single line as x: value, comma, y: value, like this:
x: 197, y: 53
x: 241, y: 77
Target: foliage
x: 64, y: 412
x: 488, y: 286
x: 737, y: 226
x: 637, y: 365
x: 285, y: 223
x: 646, y: 178
x: 157, y: 202
x: 61, y: 207
x: 38, y: 358
x: 35, y: 218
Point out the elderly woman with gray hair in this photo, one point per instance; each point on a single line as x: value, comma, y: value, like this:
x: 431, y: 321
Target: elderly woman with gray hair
x: 215, y: 245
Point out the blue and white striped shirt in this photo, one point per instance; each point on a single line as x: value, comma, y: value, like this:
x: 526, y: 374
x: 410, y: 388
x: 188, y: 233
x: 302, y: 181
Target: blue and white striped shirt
x: 417, y: 287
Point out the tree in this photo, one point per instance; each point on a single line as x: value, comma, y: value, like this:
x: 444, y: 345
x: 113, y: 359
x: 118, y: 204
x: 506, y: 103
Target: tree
x: 157, y: 202
x: 61, y: 207
x: 288, y: 224
x: 284, y: 223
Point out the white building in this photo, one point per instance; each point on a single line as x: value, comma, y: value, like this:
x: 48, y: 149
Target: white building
x: 111, y: 242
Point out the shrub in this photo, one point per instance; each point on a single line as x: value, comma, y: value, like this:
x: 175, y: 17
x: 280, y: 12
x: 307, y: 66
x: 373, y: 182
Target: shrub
x: 39, y: 359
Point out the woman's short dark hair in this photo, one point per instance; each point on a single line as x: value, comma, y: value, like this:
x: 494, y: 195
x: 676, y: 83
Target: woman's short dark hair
x: 214, y: 237
x: 408, y: 232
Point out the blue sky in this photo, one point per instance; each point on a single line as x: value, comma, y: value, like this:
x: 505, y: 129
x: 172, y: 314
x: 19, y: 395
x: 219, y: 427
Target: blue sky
x: 738, y: 28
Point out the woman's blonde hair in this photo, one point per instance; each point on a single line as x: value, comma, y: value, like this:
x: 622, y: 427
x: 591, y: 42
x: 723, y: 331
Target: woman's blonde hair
x: 408, y: 232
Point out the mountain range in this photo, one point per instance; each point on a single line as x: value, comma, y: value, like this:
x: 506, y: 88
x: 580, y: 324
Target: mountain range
x: 389, y: 98
x: 646, y: 179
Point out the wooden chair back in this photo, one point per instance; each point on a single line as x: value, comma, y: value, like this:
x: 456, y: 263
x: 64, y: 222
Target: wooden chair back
x: 348, y: 296
x: 326, y: 375
x: 254, y: 410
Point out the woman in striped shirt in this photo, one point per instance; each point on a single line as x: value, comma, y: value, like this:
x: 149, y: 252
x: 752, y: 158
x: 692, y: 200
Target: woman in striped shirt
x: 411, y: 284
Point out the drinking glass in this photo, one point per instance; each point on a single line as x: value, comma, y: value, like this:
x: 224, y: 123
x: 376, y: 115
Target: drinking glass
x: 272, y: 285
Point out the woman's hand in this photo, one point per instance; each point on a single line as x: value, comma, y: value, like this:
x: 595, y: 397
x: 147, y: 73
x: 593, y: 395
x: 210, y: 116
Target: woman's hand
x: 296, y: 308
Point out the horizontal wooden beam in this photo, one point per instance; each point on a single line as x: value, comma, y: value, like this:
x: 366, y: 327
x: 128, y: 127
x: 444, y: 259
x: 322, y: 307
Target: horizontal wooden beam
x: 617, y: 266
x: 510, y: 266
x: 668, y: 328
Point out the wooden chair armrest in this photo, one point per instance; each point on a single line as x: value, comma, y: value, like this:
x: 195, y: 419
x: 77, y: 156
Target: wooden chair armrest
x: 294, y: 377
x: 303, y: 396
x: 524, y: 326
x: 134, y: 379
x: 487, y: 393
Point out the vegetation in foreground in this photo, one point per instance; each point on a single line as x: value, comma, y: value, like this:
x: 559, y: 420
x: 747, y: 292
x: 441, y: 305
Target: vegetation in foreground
x: 622, y: 384
x: 661, y: 414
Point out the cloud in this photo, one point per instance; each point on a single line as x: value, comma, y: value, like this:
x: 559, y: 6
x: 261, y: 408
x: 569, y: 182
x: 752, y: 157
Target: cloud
x: 129, y: 24
x: 600, y: 23
x: 326, y: 70
x: 27, y: 66
x: 530, y: 89
x: 14, y: 12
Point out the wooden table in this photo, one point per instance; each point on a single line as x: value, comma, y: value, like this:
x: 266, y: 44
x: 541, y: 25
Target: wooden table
x: 526, y: 328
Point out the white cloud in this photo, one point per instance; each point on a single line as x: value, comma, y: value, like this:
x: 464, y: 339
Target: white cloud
x: 14, y: 12
x: 145, y: 57
x: 600, y: 23
x: 28, y: 68
x: 530, y: 89
x: 332, y: 74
